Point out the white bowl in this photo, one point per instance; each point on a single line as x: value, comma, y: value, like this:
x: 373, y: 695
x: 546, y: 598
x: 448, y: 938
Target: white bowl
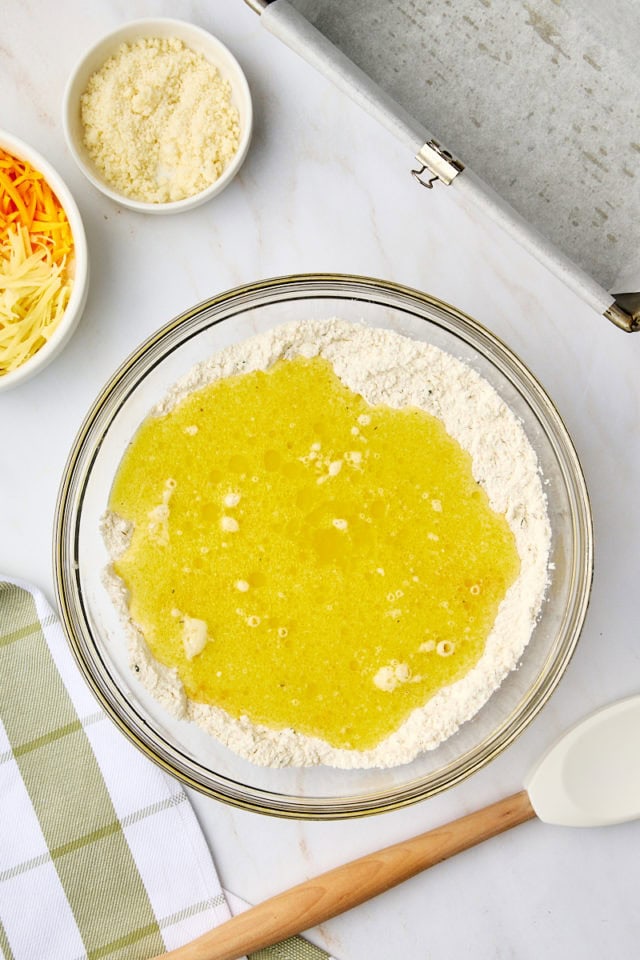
x: 79, y: 289
x: 197, y: 39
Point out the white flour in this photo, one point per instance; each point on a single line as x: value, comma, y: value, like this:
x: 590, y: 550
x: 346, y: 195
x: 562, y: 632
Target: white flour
x: 385, y: 368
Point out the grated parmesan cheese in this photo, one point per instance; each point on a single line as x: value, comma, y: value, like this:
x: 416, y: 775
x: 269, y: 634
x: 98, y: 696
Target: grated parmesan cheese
x: 158, y: 120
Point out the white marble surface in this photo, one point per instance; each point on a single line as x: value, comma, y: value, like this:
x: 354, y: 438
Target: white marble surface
x: 324, y: 189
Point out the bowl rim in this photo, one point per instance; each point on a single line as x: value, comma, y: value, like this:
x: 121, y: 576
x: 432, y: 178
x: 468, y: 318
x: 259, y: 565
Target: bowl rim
x: 80, y: 287
x: 318, y: 808
x: 113, y: 38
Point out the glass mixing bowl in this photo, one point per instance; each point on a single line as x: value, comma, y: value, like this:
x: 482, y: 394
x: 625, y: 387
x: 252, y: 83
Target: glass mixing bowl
x: 97, y: 638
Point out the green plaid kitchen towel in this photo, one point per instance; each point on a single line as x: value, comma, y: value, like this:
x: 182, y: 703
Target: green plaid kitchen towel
x: 101, y: 855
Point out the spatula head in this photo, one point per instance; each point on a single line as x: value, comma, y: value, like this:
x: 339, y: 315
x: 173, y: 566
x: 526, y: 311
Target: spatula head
x: 591, y: 776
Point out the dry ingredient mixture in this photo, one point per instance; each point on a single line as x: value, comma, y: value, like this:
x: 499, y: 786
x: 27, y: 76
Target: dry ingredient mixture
x: 329, y: 545
x: 36, y: 261
x: 158, y: 121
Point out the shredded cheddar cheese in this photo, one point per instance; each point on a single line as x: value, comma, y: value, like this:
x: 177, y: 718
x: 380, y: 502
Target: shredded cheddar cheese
x: 36, y: 247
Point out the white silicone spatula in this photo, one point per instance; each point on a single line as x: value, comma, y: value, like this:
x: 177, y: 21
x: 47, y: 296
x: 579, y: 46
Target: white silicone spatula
x: 591, y: 777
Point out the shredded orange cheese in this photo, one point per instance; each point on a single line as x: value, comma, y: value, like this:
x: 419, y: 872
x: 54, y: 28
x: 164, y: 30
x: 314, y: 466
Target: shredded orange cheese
x: 36, y: 247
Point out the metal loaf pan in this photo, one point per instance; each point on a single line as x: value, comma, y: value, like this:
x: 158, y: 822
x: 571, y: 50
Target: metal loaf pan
x: 541, y: 100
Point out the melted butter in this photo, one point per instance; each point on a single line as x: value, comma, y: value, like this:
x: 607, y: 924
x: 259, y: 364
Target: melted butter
x: 336, y: 562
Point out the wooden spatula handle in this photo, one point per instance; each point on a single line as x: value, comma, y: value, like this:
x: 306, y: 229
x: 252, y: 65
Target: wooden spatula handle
x: 342, y: 888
